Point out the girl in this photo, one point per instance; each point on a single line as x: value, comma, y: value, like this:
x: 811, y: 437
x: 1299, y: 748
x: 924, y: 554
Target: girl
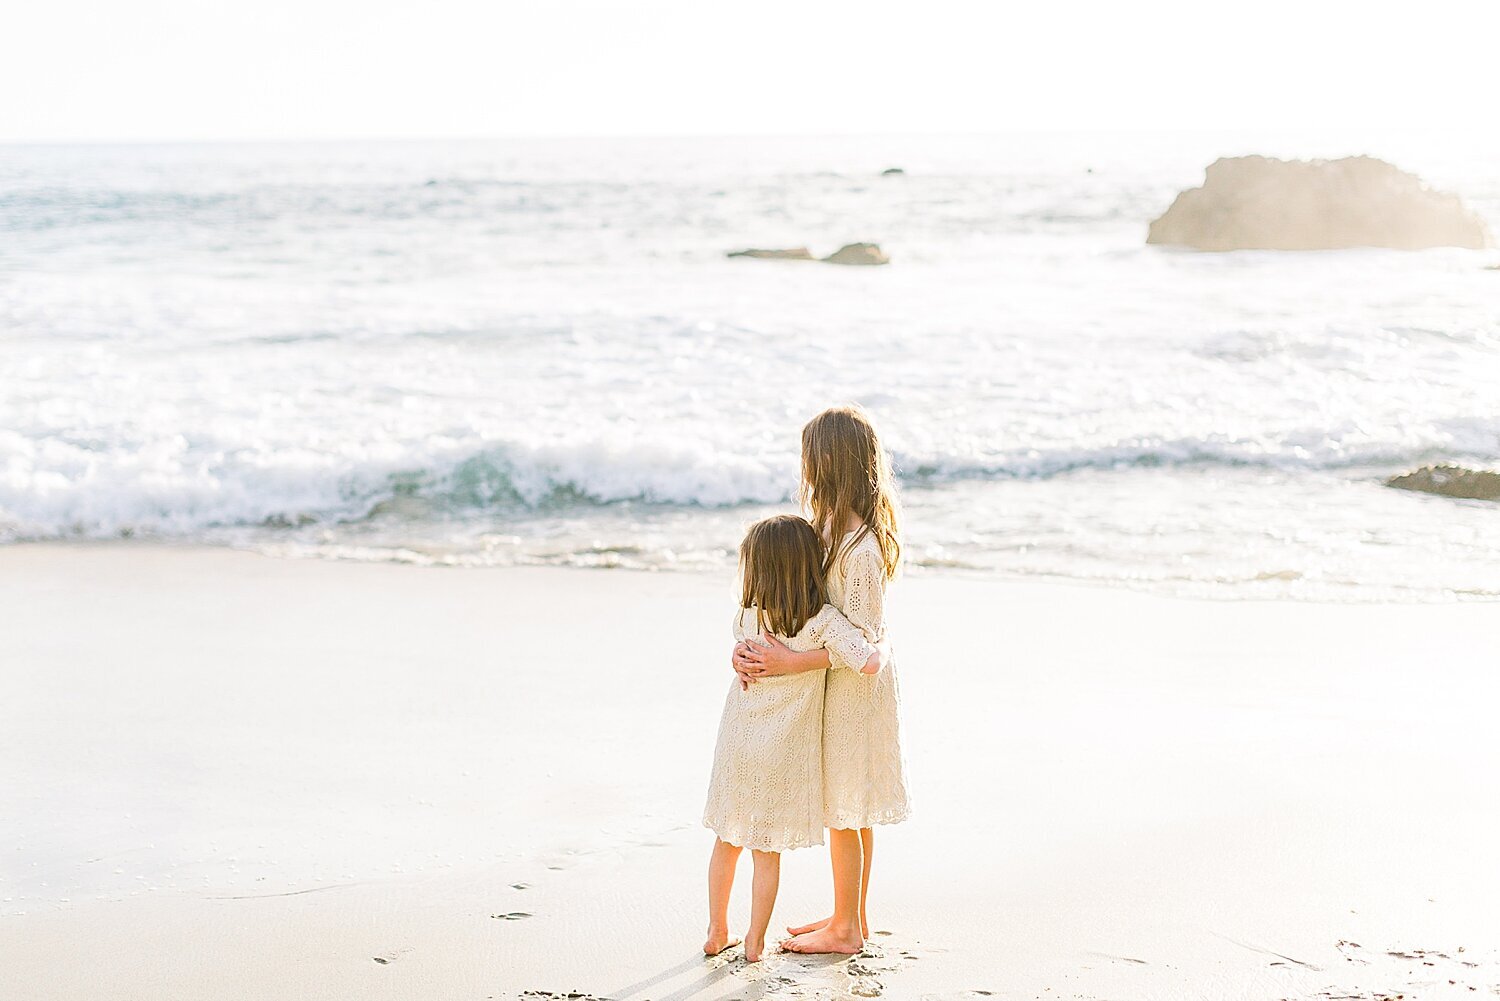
x: 848, y: 488
x: 766, y: 793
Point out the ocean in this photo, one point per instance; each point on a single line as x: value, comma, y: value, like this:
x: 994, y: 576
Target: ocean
x: 537, y: 352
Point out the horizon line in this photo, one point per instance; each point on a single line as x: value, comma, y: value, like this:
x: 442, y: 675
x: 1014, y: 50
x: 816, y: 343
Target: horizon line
x: 1160, y: 131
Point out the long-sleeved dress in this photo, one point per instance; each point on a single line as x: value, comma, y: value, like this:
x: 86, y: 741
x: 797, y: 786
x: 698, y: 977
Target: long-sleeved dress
x: 864, y: 771
x: 766, y: 792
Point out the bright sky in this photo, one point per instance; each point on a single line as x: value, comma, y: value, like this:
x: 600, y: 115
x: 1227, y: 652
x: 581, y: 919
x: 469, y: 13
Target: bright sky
x: 231, y: 69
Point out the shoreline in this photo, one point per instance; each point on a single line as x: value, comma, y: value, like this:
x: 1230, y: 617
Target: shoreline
x: 247, y: 777
x: 1215, y: 593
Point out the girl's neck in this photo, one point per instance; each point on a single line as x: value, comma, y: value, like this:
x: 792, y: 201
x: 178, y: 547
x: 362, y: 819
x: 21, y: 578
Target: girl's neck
x: 854, y: 524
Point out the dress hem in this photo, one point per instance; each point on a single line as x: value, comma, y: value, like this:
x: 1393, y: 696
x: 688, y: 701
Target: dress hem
x: 737, y: 838
x: 847, y: 823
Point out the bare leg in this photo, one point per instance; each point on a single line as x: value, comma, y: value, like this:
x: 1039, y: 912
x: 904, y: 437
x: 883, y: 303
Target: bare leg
x: 762, y: 901
x: 841, y: 934
x: 720, y: 882
x: 867, y: 842
x: 813, y: 925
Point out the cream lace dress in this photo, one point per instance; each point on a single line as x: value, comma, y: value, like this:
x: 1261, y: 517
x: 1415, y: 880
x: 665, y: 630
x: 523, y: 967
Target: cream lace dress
x: 864, y: 772
x: 766, y: 792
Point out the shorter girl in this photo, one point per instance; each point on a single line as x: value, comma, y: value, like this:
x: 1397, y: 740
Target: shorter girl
x: 766, y: 793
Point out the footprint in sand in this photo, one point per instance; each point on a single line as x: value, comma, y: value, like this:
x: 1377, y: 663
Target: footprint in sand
x: 826, y: 978
x: 1391, y: 973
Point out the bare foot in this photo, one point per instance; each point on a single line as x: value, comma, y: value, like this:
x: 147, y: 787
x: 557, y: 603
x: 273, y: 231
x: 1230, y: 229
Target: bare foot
x: 754, y: 948
x: 827, y: 939
x: 718, y: 941
x: 804, y: 929
x: 864, y: 927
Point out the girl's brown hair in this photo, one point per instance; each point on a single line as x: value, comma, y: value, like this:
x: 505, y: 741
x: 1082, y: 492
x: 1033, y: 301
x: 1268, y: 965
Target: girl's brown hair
x: 847, y: 475
x: 781, y: 570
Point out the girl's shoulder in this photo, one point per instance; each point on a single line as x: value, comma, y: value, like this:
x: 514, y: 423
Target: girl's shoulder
x: 860, y: 562
x: 749, y: 621
x: 810, y: 635
x: 819, y: 619
x: 863, y: 548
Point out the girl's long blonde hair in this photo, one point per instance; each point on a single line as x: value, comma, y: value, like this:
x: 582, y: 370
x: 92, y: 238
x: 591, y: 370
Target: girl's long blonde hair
x: 846, y: 474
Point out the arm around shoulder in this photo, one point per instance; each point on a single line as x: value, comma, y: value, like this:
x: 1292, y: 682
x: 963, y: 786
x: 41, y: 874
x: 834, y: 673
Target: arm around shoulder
x: 846, y: 644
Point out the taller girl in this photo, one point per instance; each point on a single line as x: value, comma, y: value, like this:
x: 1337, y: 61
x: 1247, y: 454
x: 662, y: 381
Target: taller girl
x: 849, y: 492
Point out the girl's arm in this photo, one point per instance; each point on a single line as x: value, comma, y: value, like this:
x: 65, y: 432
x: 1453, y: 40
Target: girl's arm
x: 768, y: 657
x: 864, y: 607
x: 864, y: 595
x: 864, y: 603
x: 846, y: 645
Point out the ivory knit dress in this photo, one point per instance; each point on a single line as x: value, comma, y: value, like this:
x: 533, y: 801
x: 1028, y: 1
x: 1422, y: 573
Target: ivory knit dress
x: 864, y: 773
x: 766, y: 792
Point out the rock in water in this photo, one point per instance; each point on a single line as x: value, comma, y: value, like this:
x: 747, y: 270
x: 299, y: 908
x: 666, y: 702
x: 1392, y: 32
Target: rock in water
x: 853, y: 253
x: 1450, y: 481
x: 892, y: 171
x: 1260, y: 203
x: 858, y: 253
x: 793, y: 254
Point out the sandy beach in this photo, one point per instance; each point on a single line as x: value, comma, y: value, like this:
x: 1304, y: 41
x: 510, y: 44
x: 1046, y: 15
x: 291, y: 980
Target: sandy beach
x: 390, y: 420
x: 234, y: 777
